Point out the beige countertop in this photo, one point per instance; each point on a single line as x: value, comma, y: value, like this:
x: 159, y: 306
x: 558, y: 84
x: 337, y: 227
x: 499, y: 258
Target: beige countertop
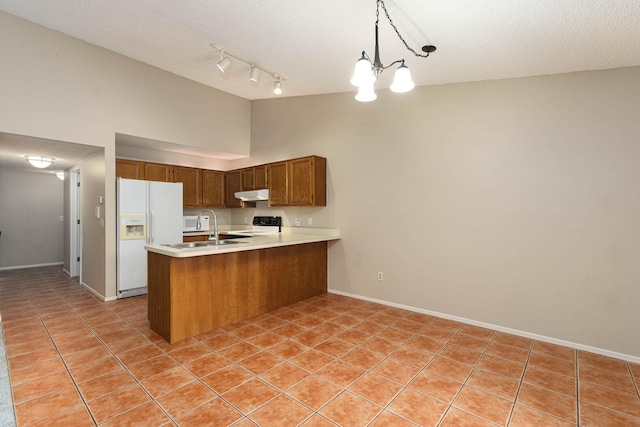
x: 288, y: 236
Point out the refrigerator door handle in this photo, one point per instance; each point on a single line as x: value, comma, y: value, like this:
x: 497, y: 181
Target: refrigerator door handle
x: 151, y: 234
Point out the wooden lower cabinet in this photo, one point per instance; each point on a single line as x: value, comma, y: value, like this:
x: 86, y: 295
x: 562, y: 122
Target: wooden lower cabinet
x: 193, y: 295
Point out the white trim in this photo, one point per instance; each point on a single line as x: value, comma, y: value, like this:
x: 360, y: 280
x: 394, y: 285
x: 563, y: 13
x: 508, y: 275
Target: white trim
x: 17, y: 267
x: 603, y: 352
x: 93, y: 291
x: 75, y: 230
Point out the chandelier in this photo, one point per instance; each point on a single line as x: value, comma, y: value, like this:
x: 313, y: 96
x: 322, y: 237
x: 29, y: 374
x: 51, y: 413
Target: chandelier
x: 367, y: 71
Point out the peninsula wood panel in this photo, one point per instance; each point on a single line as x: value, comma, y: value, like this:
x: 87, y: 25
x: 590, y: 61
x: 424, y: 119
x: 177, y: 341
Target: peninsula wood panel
x: 194, y: 295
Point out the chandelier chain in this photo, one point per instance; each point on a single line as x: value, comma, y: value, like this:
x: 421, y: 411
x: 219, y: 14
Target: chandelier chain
x: 381, y: 2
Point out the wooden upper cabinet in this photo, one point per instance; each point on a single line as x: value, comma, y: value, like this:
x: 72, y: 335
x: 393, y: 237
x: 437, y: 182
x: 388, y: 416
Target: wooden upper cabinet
x: 260, y: 177
x: 158, y: 172
x: 213, y: 189
x: 233, y: 185
x: 278, y: 183
x: 191, y: 180
x: 248, y: 182
x: 308, y: 181
x: 254, y: 178
x: 129, y: 169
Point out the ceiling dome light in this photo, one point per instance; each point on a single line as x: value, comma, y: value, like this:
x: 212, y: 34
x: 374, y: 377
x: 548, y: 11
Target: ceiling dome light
x: 402, y: 81
x: 277, y: 87
x: 40, y: 162
x: 60, y: 175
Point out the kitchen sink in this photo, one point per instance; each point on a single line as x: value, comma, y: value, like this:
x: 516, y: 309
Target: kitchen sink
x: 200, y: 244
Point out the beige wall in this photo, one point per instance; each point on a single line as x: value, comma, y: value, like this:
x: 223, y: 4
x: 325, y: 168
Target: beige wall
x: 31, y: 204
x: 515, y: 203
x: 92, y: 172
x: 57, y: 87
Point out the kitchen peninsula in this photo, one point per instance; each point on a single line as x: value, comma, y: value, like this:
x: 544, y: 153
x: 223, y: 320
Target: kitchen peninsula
x: 197, y: 289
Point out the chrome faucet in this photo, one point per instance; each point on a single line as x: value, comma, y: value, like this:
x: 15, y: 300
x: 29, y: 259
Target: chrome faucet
x: 213, y: 236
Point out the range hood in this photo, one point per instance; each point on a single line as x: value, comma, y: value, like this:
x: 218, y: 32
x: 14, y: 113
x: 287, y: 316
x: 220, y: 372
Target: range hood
x: 253, y: 196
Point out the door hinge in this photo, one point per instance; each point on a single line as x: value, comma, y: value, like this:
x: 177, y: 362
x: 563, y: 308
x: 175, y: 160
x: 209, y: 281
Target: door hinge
x: 78, y: 184
x: 78, y: 259
x: 78, y: 222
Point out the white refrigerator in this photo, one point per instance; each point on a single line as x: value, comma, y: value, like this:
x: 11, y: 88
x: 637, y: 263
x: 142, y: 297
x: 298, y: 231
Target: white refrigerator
x: 149, y: 213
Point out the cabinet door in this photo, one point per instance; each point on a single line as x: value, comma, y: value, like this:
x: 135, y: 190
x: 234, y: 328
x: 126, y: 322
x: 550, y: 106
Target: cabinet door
x: 158, y: 172
x: 213, y: 189
x: 307, y: 181
x: 260, y: 177
x: 129, y: 169
x: 278, y: 184
x: 191, y: 180
x: 234, y: 184
x: 248, y: 179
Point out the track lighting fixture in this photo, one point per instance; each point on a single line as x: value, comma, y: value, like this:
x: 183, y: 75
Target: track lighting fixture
x: 254, y: 75
x: 39, y: 162
x: 366, y: 72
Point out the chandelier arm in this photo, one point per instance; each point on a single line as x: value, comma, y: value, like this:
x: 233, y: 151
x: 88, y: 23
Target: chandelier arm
x: 393, y: 63
x: 381, y: 2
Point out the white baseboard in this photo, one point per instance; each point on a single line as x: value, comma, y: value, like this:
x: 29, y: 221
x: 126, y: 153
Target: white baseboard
x: 93, y: 291
x: 18, y: 267
x: 603, y: 352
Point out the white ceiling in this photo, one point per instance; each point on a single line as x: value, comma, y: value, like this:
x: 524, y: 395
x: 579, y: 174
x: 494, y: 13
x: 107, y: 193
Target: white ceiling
x: 14, y: 148
x: 315, y: 45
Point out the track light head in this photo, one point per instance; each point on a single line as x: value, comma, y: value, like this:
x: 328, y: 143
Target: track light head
x: 254, y: 76
x: 277, y: 87
x: 224, y: 64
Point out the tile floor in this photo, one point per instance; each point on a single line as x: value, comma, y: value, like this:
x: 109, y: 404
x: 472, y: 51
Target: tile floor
x: 329, y: 360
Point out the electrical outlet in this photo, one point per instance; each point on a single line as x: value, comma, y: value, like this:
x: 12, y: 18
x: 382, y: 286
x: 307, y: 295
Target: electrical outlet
x: 380, y: 276
x: 310, y: 221
x: 298, y: 222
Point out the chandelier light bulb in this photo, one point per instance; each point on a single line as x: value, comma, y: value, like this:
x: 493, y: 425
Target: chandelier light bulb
x: 40, y: 162
x: 366, y: 93
x: 363, y: 73
x: 402, y: 81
